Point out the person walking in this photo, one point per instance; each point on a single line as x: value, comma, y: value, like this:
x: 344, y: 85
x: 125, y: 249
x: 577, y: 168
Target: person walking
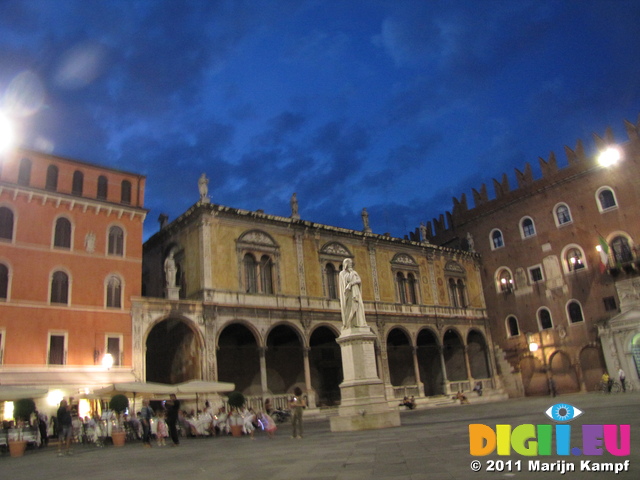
x: 297, y: 404
x: 622, y: 377
x: 173, y: 412
x: 65, y: 428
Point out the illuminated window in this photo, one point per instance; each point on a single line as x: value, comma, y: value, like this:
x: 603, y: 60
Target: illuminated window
x: 527, y: 228
x: 562, y: 214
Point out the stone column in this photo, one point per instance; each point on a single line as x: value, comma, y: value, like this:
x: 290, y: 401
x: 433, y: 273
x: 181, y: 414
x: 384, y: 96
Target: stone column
x: 311, y: 394
x: 263, y: 369
x: 467, y: 366
x: 445, y: 380
x: 416, y: 368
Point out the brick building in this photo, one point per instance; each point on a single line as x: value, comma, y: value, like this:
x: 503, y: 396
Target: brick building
x: 546, y: 284
x: 70, y: 260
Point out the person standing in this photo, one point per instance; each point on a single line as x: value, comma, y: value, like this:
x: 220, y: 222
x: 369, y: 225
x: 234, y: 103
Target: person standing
x: 65, y: 428
x: 173, y: 412
x: 622, y: 377
x: 297, y: 404
x: 146, y: 414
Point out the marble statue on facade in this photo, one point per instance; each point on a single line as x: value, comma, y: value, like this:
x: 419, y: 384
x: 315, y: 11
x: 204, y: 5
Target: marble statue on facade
x: 203, y: 188
x: 470, y: 244
x: 170, y: 270
x: 351, y: 302
x: 365, y: 221
x: 294, y: 207
x: 423, y: 232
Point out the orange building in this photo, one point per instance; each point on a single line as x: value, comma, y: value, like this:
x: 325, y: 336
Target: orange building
x: 70, y: 260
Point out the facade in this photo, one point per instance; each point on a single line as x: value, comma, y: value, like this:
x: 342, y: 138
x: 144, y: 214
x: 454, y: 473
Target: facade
x: 70, y: 259
x: 250, y: 298
x: 560, y: 268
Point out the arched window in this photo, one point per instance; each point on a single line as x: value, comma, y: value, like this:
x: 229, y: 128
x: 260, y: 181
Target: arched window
x: 527, y: 228
x: 52, y: 178
x: 544, y: 319
x: 125, y: 194
x: 574, y: 311
x: 453, y: 293
x: 512, y: 326
x: 60, y: 288
x: 6, y: 223
x: 574, y: 259
x: 77, y: 184
x: 4, y: 281
x: 621, y: 250
x: 504, y: 281
x: 402, y: 287
x: 497, y: 241
x: 116, y: 241
x: 411, y: 289
x: 606, y: 199
x: 24, y: 174
x: 462, y: 293
x: 266, y: 274
x: 114, y: 292
x: 562, y: 214
x: 102, y: 188
x: 332, y: 283
x: 250, y: 273
x: 62, y: 234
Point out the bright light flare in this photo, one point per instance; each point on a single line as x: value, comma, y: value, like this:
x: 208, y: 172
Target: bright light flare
x: 55, y: 397
x: 7, y: 134
x: 609, y: 157
x: 533, y: 347
x: 107, y: 361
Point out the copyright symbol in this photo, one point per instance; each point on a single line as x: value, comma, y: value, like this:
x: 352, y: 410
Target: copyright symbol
x: 476, y: 465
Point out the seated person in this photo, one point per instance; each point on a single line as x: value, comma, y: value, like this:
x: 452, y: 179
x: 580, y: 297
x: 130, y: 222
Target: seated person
x: 478, y: 388
x: 408, y: 403
x: 462, y: 397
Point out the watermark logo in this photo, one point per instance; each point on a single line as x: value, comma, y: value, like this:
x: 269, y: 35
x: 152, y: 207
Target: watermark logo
x: 531, y: 440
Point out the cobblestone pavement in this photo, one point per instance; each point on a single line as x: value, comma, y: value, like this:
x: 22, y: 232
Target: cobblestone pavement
x: 432, y: 443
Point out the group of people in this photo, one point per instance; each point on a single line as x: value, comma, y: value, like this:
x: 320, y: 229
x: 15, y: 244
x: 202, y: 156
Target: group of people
x: 608, y: 382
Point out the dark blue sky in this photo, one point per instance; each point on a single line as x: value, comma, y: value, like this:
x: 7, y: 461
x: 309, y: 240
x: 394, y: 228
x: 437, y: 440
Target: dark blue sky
x: 394, y: 105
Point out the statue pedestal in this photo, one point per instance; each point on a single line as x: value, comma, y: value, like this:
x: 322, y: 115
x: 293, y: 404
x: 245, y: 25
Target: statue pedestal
x: 172, y: 293
x: 363, y: 405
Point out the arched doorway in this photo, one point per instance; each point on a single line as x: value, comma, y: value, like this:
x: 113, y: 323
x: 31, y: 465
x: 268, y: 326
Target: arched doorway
x: 563, y: 373
x: 400, y: 358
x: 453, y: 353
x: 478, y: 355
x: 173, y: 352
x: 238, y: 358
x: 534, y: 378
x: 429, y: 363
x: 285, y: 361
x: 325, y: 363
x: 592, y: 365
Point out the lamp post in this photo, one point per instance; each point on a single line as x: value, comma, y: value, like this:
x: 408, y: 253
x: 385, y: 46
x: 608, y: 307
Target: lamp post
x: 107, y: 361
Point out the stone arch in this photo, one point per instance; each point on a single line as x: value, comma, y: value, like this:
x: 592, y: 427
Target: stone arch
x: 592, y: 366
x: 478, y: 354
x: 429, y: 363
x: 238, y: 356
x: 174, y: 348
x: 325, y: 364
x: 400, y: 357
x: 284, y: 359
x: 454, y: 356
x: 563, y: 373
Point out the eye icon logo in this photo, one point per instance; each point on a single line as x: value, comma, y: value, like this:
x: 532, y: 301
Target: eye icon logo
x: 563, y: 412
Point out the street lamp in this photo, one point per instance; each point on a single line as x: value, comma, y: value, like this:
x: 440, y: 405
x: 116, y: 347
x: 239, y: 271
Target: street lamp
x: 609, y: 157
x: 107, y: 361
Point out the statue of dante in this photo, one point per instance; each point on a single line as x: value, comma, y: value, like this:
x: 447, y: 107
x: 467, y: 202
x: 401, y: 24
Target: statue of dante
x: 351, y: 296
x: 170, y: 270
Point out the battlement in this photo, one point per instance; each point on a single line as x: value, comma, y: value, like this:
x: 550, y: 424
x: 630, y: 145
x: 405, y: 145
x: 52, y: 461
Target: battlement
x: 442, y: 228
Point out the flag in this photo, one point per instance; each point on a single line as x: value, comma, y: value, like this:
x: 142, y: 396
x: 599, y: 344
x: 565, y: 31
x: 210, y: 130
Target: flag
x: 604, y: 253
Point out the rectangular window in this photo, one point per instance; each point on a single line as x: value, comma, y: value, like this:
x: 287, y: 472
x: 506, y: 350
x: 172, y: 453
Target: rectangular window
x: 113, y: 347
x: 609, y: 304
x: 535, y: 274
x: 57, y: 349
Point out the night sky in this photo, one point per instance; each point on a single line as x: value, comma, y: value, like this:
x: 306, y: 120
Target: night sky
x: 396, y: 106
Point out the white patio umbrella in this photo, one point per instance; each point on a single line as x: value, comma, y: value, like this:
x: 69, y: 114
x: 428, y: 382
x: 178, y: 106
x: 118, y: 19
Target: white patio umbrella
x: 10, y: 393
x: 204, y: 386
x: 136, y: 388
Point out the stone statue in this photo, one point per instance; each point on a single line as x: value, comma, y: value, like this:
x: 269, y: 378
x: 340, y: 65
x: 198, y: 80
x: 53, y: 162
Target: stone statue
x: 351, y: 303
x: 90, y: 242
x: 203, y: 187
x: 294, y: 207
x: 365, y: 220
x: 170, y: 270
x: 423, y: 232
x: 470, y: 244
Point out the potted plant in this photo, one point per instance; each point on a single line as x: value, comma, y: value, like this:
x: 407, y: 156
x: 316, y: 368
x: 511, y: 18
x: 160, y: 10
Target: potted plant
x: 119, y: 404
x: 236, y: 401
x: 22, y: 410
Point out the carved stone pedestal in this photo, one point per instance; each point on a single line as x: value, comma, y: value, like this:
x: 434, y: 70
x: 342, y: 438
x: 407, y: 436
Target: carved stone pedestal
x: 173, y: 293
x: 363, y: 405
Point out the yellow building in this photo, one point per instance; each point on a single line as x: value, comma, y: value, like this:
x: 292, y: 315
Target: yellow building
x: 251, y: 298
